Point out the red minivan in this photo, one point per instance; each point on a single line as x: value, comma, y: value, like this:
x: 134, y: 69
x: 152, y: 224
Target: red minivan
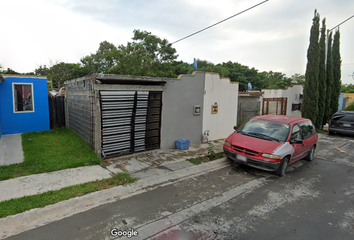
x: 272, y: 142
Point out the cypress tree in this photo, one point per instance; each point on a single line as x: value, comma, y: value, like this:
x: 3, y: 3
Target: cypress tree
x: 329, y: 81
x: 310, y: 93
x: 322, y: 88
x: 336, y: 72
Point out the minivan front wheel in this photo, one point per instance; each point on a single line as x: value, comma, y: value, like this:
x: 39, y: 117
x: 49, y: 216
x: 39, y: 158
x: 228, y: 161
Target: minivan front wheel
x: 282, y: 167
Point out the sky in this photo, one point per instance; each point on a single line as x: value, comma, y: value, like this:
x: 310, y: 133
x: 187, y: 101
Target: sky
x: 271, y: 37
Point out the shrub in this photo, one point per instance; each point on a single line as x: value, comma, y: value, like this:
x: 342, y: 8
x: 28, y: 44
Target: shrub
x: 350, y: 107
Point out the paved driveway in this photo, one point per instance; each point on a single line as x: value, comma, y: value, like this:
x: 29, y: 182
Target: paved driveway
x: 11, y: 149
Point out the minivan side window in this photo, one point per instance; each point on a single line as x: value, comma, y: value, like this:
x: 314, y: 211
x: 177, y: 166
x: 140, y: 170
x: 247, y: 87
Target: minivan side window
x: 307, y: 129
x: 296, y: 133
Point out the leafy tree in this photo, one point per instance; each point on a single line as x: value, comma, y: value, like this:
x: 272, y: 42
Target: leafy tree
x: 147, y: 55
x: 347, y: 88
x: 206, y: 66
x: 336, y: 72
x: 102, y: 61
x: 310, y: 96
x: 298, y: 78
x: 180, y: 67
x: 10, y: 71
x: 243, y: 75
x: 322, y: 87
x: 41, y: 70
x: 61, y: 72
x: 277, y: 80
x: 350, y: 107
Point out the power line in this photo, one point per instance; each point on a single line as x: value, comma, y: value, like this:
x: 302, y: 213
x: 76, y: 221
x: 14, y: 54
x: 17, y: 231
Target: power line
x: 219, y: 22
x: 341, y: 23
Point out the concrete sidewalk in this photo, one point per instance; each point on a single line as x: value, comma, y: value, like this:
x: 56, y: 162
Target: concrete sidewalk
x: 11, y: 149
x: 139, y: 165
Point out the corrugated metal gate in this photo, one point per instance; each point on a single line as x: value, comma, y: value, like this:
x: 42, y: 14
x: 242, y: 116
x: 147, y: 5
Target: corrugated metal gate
x: 130, y: 121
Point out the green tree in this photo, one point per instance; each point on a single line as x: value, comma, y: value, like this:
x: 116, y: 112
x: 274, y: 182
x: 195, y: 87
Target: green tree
x: 322, y: 86
x: 336, y: 72
x: 10, y: 71
x: 204, y: 65
x: 41, y: 70
x: 310, y: 92
x: 277, y: 80
x: 298, y: 78
x: 147, y: 55
x: 243, y: 75
x: 102, y: 61
x: 347, y: 88
x: 180, y: 67
x: 61, y: 72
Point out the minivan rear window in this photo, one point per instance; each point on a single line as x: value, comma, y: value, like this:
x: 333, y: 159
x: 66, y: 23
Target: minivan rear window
x: 343, y: 117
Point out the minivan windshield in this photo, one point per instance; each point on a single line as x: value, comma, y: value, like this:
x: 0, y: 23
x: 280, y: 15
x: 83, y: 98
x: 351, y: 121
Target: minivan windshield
x: 267, y: 130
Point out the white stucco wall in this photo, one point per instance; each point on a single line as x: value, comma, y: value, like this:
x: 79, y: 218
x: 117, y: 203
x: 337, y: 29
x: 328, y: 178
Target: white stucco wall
x: 272, y: 93
x: 225, y: 93
x: 292, y: 93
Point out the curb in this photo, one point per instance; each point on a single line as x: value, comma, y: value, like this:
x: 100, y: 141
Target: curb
x: 34, y: 218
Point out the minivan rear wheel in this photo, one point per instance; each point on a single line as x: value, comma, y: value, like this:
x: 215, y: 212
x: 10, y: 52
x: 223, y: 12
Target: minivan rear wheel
x: 282, y: 167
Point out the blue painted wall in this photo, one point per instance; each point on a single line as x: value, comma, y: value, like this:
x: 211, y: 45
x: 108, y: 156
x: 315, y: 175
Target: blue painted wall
x: 21, y: 122
x: 340, y: 107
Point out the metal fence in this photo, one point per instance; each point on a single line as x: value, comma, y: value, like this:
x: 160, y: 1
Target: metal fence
x: 56, y: 112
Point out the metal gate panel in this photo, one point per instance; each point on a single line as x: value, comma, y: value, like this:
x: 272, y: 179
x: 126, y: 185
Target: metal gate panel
x: 130, y: 121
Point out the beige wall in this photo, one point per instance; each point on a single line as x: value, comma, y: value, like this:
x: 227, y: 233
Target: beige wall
x: 225, y: 93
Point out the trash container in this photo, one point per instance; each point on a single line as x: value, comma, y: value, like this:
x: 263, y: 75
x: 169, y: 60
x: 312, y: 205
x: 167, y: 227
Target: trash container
x: 182, y: 144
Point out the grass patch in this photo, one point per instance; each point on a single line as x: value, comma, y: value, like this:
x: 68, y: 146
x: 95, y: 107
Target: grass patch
x: 19, y: 205
x: 49, y: 151
x: 210, y: 157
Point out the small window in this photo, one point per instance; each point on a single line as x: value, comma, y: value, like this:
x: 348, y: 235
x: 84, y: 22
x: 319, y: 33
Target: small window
x: 23, y: 97
x: 296, y: 107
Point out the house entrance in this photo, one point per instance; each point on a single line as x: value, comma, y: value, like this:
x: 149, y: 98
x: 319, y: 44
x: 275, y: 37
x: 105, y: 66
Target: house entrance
x: 130, y: 121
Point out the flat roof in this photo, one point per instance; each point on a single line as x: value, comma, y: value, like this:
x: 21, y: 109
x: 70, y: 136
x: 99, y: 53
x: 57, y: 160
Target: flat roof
x: 123, y: 79
x: 23, y: 76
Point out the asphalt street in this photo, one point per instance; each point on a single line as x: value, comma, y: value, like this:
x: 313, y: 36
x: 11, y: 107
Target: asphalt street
x: 315, y: 200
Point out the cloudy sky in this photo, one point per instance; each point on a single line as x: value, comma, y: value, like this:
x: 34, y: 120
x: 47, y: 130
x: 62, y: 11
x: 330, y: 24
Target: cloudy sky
x: 273, y: 36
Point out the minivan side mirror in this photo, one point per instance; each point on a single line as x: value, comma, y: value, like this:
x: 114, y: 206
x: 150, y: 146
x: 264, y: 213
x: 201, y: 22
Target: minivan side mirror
x: 235, y: 127
x: 296, y: 141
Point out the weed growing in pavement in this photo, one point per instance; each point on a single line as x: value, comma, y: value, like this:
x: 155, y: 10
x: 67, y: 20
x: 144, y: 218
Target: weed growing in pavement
x: 210, y: 157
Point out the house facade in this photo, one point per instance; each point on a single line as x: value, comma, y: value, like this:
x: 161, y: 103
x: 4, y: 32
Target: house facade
x: 286, y: 101
x: 23, y: 104
x: 117, y: 114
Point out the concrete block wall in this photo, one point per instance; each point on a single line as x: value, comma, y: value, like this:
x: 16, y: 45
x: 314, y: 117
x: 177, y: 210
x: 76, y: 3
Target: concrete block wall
x: 80, y: 110
x: 248, y: 107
